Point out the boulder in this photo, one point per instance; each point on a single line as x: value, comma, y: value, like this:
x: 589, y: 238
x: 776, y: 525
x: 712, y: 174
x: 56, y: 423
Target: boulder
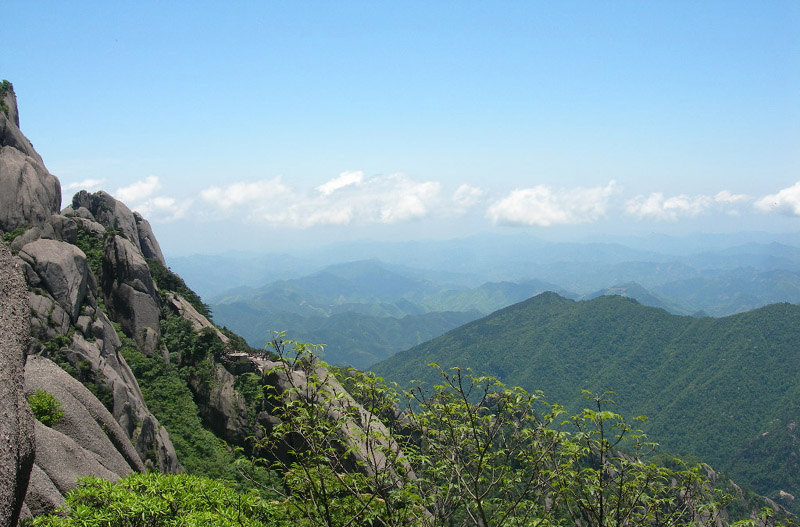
x: 60, y: 227
x: 30, y: 235
x: 29, y: 194
x: 86, y: 441
x: 221, y: 406
x: 16, y: 424
x: 10, y: 134
x: 96, y: 348
x: 147, y: 240
x: 86, y: 420
x: 63, y: 271
x: 90, y: 226
x: 110, y: 213
x: 48, y: 318
x: 130, y: 294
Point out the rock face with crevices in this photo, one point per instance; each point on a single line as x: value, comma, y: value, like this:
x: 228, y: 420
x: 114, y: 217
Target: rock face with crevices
x: 16, y: 421
x: 130, y: 294
x: 29, y: 194
x: 63, y: 270
x: 96, y: 444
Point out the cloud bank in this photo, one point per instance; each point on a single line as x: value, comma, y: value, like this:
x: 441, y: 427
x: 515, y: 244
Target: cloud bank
x: 543, y: 206
x: 353, y: 198
x: 139, y: 196
x: 347, y: 199
x: 786, y: 201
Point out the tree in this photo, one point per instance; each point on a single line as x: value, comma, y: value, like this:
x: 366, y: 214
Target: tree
x: 339, y: 462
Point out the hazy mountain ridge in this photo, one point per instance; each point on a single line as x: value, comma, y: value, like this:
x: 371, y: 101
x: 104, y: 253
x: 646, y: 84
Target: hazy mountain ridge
x: 707, y: 283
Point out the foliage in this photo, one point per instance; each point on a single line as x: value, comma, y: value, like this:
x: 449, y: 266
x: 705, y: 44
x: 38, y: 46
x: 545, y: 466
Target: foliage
x: 328, y: 479
x: 5, y: 87
x: 91, y: 246
x: 167, y: 395
x: 45, y: 407
x: 9, y: 236
x: 166, y: 280
x: 163, y: 500
x: 468, y: 451
x: 191, y: 348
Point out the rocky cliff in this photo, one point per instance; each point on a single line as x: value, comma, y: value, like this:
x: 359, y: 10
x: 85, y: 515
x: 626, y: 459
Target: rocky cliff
x: 86, y: 285
x: 16, y: 425
x: 107, y: 431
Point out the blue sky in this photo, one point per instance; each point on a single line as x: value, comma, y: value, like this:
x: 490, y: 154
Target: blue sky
x: 257, y: 125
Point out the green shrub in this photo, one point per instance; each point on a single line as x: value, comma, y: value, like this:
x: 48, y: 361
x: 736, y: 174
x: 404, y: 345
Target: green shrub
x: 9, y: 236
x: 45, y: 407
x: 92, y: 247
x: 163, y: 500
x: 5, y: 87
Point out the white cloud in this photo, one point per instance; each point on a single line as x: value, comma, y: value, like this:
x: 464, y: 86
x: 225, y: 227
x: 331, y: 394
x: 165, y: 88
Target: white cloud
x: 260, y: 193
x: 90, y: 185
x: 543, y: 206
x: 163, y: 209
x: 467, y: 196
x: 657, y: 207
x: 725, y: 196
x: 345, y: 179
x: 138, y: 191
x: 350, y: 198
x: 786, y: 201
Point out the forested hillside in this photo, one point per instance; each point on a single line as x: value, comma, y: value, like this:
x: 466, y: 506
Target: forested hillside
x: 725, y: 390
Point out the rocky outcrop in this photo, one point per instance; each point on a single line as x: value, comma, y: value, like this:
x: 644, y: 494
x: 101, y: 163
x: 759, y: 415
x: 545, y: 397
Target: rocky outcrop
x: 9, y: 100
x: 110, y: 213
x: 107, y: 431
x: 147, y: 240
x: 130, y: 294
x: 221, y: 406
x: 181, y: 307
x: 63, y: 270
x: 29, y: 194
x: 87, y: 441
x: 16, y: 423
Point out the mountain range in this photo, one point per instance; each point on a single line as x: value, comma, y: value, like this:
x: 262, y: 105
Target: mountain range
x: 389, y: 301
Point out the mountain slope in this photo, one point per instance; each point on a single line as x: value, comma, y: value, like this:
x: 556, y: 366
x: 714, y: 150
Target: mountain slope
x: 709, y: 386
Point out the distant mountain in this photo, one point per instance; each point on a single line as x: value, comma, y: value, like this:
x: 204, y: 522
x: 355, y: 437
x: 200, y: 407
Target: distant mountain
x: 726, y: 390
x: 350, y: 338
x: 723, y: 292
x: 640, y: 294
x: 490, y: 296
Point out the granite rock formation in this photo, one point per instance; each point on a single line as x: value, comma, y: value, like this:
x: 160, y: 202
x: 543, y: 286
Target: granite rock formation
x: 16, y: 424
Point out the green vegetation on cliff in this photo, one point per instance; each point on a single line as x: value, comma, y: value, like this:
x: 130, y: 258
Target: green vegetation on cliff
x: 469, y: 451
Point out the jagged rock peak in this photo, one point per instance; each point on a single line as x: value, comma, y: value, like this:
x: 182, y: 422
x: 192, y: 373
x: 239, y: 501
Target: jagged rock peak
x: 110, y: 213
x: 29, y: 194
x: 8, y: 102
